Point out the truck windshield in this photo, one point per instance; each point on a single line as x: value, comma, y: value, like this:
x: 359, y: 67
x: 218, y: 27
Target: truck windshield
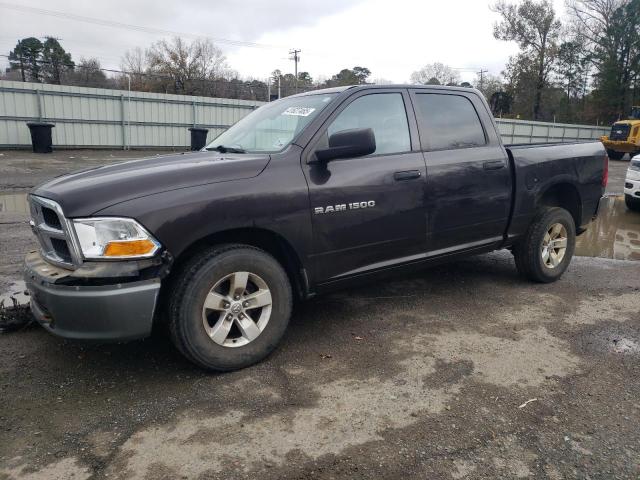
x: 272, y: 127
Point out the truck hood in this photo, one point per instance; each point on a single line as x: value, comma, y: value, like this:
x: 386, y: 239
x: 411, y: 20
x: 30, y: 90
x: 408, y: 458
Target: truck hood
x: 85, y: 192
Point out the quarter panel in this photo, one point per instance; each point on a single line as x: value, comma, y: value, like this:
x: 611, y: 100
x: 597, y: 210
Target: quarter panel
x: 540, y: 167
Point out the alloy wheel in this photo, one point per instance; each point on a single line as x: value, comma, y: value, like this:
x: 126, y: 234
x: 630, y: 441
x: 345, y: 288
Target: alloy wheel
x: 554, y: 245
x: 237, y: 309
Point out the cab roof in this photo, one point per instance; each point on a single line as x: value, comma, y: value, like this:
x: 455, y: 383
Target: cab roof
x: 382, y: 87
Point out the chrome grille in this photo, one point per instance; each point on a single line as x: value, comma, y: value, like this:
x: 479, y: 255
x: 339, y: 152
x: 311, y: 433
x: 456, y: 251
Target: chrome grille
x: 54, y: 232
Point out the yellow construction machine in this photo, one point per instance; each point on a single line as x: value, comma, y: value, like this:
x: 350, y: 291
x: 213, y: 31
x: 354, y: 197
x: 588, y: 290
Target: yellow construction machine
x: 624, y: 137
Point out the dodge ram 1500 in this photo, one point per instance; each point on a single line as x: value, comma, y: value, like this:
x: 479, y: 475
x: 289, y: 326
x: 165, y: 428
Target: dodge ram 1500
x: 304, y: 195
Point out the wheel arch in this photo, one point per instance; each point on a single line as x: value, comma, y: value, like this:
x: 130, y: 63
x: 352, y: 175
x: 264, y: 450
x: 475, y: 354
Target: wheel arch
x: 264, y: 239
x: 564, y: 195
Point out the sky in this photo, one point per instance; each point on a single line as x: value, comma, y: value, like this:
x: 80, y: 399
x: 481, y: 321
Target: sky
x: 391, y: 38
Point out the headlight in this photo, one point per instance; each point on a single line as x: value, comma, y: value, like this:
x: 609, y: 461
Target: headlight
x: 112, y: 238
x: 635, y: 165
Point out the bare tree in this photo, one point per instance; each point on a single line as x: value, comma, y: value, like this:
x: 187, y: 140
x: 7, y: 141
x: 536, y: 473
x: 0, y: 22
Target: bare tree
x: 134, y: 62
x: 435, y: 74
x: 592, y: 18
x: 190, y: 66
x: 532, y: 24
x: 88, y: 73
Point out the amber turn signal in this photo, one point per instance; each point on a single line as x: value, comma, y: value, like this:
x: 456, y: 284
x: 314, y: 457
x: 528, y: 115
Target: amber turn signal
x: 129, y: 248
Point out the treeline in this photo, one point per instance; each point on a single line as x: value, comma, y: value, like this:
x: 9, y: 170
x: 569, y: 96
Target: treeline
x: 583, y: 69
x: 167, y: 66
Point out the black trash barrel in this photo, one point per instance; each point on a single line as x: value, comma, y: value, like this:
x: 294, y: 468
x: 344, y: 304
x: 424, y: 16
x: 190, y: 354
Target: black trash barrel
x: 41, y: 136
x: 198, y: 138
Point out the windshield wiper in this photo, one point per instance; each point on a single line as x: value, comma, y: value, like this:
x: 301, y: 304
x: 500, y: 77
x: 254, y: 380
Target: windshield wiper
x: 223, y: 149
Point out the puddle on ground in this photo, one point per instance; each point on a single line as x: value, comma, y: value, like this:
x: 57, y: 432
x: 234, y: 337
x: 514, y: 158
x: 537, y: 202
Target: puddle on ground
x: 14, y: 203
x: 615, y: 234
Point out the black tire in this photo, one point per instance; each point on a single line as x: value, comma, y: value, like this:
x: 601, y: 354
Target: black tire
x: 193, y: 284
x: 528, y: 251
x: 613, y: 155
x: 632, y: 203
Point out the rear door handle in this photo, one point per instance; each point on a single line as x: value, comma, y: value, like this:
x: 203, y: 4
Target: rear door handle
x: 493, y: 165
x: 406, y: 175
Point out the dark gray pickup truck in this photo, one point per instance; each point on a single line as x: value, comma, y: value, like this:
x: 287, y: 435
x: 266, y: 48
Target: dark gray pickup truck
x: 304, y: 195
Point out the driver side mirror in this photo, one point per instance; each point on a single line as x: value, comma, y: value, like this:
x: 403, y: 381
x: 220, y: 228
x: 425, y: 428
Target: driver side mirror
x: 356, y: 142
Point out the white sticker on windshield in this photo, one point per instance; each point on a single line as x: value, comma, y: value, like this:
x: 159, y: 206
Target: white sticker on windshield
x: 299, y: 111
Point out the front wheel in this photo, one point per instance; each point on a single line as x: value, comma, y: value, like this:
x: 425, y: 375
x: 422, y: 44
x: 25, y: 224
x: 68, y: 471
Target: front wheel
x: 230, y: 307
x: 613, y: 155
x: 632, y: 203
x: 544, y: 253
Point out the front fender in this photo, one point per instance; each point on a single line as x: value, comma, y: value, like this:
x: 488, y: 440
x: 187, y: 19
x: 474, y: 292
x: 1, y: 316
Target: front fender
x: 277, y: 200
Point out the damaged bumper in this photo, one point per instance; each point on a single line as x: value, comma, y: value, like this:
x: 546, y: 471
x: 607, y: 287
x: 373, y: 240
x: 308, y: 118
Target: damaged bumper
x: 100, y: 301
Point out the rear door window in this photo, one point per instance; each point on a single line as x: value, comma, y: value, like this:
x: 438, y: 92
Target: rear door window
x: 448, y: 122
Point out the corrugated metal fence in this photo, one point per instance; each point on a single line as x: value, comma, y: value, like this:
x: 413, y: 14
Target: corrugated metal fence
x: 101, y: 118
x: 525, y: 131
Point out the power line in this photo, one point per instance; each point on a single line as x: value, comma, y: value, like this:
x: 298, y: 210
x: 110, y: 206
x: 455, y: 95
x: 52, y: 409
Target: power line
x: 127, y: 26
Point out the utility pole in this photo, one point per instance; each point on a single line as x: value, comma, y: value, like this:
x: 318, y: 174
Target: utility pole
x: 296, y: 59
x: 481, y: 73
x: 279, y: 78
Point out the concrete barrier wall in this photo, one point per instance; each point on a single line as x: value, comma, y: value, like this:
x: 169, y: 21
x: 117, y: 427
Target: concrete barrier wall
x: 102, y: 118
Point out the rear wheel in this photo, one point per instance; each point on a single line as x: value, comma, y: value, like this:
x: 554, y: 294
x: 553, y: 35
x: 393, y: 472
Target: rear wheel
x: 613, y: 155
x: 546, y: 250
x: 632, y: 203
x: 230, y: 307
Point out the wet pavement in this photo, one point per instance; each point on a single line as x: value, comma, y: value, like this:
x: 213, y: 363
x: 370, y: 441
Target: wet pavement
x: 615, y: 233
x: 14, y: 203
x: 460, y: 371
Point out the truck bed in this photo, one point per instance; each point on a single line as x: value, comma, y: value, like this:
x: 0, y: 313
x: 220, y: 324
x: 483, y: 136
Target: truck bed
x: 574, y: 169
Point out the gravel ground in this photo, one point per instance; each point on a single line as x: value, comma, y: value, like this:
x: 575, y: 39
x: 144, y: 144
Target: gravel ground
x: 460, y: 371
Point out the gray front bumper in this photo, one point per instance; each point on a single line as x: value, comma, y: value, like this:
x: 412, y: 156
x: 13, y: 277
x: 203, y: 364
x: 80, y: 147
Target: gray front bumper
x: 120, y: 311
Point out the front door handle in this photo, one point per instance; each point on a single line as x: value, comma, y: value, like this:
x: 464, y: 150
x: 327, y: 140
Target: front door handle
x: 493, y: 165
x: 406, y: 175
